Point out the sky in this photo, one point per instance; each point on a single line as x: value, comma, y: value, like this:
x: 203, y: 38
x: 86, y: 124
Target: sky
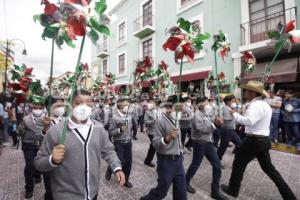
x: 16, y: 21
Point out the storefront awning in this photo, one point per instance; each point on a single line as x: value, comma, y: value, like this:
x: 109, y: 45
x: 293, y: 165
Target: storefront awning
x: 191, y: 77
x: 282, y: 71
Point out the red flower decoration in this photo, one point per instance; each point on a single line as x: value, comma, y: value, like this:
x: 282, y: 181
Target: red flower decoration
x: 76, y: 25
x: 80, y: 2
x: 28, y: 71
x: 85, y: 67
x: 289, y: 26
x: 187, y: 51
x: 222, y: 76
x: 172, y: 43
x: 163, y: 65
x: 50, y: 8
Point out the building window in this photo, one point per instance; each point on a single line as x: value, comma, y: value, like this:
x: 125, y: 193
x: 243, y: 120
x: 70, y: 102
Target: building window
x: 147, y: 48
x: 264, y: 17
x: 122, y: 32
x: 121, y: 64
x: 147, y: 13
x: 105, y: 43
x: 184, y: 2
x: 104, y: 67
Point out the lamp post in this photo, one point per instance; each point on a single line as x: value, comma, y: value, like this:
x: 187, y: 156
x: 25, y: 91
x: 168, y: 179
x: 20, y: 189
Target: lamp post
x: 24, y: 52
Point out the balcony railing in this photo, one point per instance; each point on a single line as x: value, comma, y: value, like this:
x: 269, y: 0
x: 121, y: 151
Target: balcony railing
x: 143, y: 26
x: 102, y: 50
x: 256, y: 30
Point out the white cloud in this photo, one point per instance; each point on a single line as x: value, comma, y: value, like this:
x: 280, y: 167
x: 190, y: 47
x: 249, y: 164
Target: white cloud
x: 20, y: 24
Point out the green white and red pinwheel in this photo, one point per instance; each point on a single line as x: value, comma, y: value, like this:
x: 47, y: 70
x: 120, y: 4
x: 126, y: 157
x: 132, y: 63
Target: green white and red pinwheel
x: 66, y: 20
x: 186, y: 40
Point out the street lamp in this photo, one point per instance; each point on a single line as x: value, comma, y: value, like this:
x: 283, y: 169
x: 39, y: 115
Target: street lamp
x: 24, y: 52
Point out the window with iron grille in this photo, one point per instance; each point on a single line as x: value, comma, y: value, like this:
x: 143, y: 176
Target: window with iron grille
x: 264, y: 17
x: 147, y: 13
x: 122, y: 63
x: 104, y: 67
x: 147, y: 48
x: 122, y: 33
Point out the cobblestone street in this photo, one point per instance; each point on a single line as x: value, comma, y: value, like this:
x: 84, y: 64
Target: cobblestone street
x: 256, y: 185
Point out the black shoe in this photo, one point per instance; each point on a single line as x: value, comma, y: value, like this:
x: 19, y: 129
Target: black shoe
x: 218, y: 196
x: 190, y: 189
x: 135, y: 138
x: 149, y: 164
x: 145, y: 198
x: 28, y: 195
x: 188, y: 148
x: 128, y: 184
x: 228, y: 191
x: 38, y: 180
x: 107, y: 175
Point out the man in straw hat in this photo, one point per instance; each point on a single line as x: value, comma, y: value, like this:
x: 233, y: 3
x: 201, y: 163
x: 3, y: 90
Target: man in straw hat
x: 257, y: 143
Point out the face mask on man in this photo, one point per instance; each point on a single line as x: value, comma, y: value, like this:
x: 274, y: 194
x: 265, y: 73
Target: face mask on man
x: 125, y: 109
x: 233, y: 106
x: 59, y: 111
x: 150, y: 106
x: 82, y: 112
x: 97, y: 105
x: 189, y: 104
x: 37, y: 112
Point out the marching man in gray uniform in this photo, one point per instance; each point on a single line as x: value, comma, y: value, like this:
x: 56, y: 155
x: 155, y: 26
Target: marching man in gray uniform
x: 120, y: 129
x: 167, y: 143
x: 153, y: 112
x: 75, y: 166
x: 202, y: 133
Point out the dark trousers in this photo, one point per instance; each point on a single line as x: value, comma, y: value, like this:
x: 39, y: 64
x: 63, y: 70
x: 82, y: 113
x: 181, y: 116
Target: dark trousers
x: 254, y: 147
x: 134, y: 130
x: 292, y: 130
x: 151, y: 151
x: 169, y: 171
x: 216, y: 137
x: 184, y: 133
x: 124, y: 153
x: 47, y: 185
x: 274, y: 129
x: 13, y: 132
x: 228, y: 135
x: 200, y: 150
x: 141, y: 122
x: 30, y: 173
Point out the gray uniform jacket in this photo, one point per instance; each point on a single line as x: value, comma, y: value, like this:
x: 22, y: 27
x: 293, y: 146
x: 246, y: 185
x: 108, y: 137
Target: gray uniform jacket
x: 77, y: 178
x: 186, y: 115
x: 149, y: 120
x: 33, y: 130
x: 229, y: 121
x: 100, y: 115
x: 163, y: 126
x: 115, y: 124
x: 202, y: 128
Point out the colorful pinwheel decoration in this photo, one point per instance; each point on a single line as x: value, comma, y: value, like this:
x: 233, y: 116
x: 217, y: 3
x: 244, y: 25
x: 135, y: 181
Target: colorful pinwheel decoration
x: 285, y: 35
x: 143, y: 70
x: 249, y: 61
x: 66, y: 20
x: 186, y: 40
x: 221, y: 44
x: 21, y: 78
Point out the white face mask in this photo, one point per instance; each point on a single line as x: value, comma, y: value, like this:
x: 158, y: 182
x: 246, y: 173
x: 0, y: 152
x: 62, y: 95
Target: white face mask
x: 150, y: 106
x: 37, y: 112
x: 163, y: 110
x: 233, y: 105
x: 82, y: 112
x: 106, y: 106
x: 173, y: 115
x: 188, y: 104
x: 125, y: 109
x: 97, y: 105
x: 59, y: 111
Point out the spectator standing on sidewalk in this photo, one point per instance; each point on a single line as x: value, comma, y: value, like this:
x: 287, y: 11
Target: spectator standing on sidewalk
x: 275, y: 102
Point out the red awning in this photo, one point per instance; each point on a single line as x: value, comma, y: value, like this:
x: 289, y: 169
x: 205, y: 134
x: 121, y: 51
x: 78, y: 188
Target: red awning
x: 191, y: 77
x: 282, y: 71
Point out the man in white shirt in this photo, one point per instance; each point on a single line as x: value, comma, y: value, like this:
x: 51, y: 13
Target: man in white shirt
x: 257, y: 143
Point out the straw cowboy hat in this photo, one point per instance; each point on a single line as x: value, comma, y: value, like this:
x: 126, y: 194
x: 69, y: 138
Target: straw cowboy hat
x: 256, y: 87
